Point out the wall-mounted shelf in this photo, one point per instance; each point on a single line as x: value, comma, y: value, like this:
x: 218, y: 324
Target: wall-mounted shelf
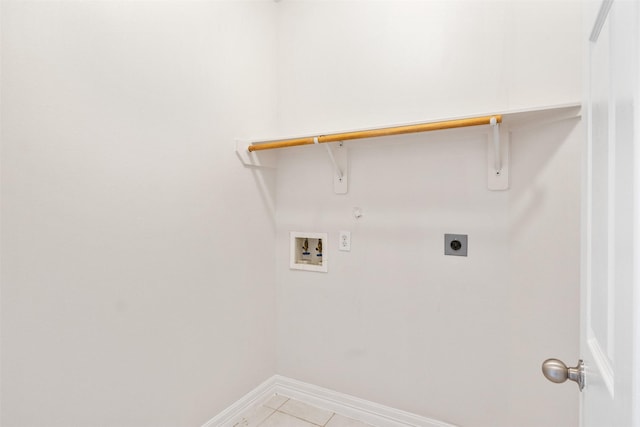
x: 259, y: 152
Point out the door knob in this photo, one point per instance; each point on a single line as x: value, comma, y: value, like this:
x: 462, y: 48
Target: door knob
x: 556, y: 371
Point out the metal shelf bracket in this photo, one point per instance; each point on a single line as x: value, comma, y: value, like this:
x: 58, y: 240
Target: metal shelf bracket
x: 339, y: 160
x: 496, y: 145
x: 498, y: 156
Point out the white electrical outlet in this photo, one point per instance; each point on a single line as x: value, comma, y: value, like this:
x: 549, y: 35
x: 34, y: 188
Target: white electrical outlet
x: 344, y: 241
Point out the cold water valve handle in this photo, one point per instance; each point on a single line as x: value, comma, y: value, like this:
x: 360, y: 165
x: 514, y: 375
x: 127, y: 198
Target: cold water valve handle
x: 556, y: 371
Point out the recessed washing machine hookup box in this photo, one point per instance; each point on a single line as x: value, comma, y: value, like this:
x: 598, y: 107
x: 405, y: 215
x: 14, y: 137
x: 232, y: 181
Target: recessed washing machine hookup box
x: 308, y: 251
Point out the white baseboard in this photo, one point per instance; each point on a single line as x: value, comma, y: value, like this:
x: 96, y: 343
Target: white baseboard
x: 253, y: 399
x: 343, y: 404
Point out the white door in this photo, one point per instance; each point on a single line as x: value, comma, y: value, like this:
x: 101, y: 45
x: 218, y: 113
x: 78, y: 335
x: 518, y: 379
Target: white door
x: 611, y: 218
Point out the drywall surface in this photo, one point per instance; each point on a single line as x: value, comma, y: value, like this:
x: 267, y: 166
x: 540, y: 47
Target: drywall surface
x: 135, y: 287
x: 354, y: 64
x: 394, y: 320
x: 544, y: 264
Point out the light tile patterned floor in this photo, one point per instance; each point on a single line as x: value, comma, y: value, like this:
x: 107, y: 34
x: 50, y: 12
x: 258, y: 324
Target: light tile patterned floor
x: 281, y: 411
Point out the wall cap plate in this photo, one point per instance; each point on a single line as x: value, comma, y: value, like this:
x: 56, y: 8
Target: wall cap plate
x: 455, y: 244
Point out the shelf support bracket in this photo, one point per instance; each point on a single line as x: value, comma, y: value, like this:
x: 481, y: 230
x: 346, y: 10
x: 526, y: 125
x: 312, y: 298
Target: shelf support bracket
x: 254, y: 159
x: 496, y: 145
x: 339, y: 160
x: 498, y: 156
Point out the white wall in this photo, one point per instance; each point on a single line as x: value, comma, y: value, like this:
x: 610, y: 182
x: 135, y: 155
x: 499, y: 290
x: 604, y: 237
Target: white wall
x: 544, y: 261
x: 129, y: 295
x: 350, y: 64
x: 394, y: 321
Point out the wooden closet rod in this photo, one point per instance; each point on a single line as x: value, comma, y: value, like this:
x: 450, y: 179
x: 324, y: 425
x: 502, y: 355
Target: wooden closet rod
x: 372, y: 133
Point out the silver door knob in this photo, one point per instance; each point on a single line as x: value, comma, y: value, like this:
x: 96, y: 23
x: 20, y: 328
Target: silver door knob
x: 556, y: 371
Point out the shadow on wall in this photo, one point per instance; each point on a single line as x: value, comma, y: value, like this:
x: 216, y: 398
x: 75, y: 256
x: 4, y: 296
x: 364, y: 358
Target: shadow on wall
x: 265, y: 183
x: 527, y: 193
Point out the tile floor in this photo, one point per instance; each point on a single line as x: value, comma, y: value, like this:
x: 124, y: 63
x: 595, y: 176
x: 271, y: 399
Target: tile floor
x: 281, y: 411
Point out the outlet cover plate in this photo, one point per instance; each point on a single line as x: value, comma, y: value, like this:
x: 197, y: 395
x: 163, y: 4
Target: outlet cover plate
x: 344, y: 241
